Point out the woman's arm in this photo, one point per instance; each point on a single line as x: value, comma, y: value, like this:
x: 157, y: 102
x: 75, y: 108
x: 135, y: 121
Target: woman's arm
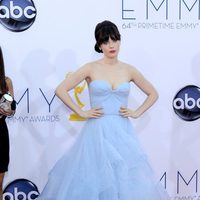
x: 71, y: 82
x: 147, y: 88
x: 10, y: 86
x: 13, y: 105
x: 11, y: 91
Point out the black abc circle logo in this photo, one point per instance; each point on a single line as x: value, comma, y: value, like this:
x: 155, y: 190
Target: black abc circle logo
x: 20, y: 189
x: 186, y: 103
x: 17, y: 15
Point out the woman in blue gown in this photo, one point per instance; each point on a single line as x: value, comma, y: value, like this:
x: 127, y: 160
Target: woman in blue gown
x: 107, y: 161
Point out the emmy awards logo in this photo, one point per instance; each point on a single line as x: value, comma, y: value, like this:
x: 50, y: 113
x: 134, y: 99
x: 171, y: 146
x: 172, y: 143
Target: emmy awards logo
x: 77, y: 90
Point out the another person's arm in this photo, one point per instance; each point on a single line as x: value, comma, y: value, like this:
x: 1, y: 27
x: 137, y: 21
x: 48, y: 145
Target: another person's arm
x: 11, y: 92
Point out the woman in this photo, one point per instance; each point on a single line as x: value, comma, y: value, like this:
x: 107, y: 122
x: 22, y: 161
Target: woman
x: 5, y: 87
x: 107, y: 162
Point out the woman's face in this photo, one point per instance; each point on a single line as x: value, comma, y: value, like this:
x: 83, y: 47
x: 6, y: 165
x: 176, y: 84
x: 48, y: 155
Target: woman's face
x: 110, y: 48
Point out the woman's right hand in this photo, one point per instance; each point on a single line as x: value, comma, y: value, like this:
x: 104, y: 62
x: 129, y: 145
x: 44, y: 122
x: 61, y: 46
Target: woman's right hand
x: 92, y: 113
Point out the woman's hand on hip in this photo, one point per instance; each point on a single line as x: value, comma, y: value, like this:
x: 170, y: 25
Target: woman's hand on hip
x: 92, y: 113
x: 126, y: 112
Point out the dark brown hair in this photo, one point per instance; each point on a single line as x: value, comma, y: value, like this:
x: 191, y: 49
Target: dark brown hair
x: 103, y: 31
x: 3, y: 86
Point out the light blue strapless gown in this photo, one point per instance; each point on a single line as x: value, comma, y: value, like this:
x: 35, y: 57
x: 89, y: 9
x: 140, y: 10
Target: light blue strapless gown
x: 107, y: 161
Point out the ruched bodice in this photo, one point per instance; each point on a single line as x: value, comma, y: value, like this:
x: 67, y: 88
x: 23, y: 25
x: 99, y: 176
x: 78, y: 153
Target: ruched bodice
x: 110, y: 100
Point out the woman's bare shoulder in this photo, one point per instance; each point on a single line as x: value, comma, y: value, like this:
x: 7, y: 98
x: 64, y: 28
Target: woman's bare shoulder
x: 93, y: 63
x: 91, y: 66
x: 8, y: 80
x: 127, y: 66
x: 84, y: 68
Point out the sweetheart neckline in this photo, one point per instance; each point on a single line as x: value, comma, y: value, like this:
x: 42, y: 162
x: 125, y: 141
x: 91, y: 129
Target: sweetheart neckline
x: 109, y: 84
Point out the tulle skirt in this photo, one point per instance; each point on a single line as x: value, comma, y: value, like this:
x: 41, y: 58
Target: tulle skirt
x: 106, y: 163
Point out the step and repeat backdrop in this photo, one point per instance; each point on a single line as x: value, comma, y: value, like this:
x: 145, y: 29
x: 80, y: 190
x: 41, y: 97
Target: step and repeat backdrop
x: 42, y: 41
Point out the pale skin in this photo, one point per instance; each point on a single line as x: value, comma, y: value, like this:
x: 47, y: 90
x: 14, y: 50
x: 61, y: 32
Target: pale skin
x: 113, y: 71
x: 10, y: 89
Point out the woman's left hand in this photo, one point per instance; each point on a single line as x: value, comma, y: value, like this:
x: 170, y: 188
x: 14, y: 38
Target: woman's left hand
x: 126, y: 112
x: 7, y: 113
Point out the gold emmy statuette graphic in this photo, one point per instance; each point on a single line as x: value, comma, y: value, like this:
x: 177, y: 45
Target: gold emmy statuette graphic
x: 77, y: 90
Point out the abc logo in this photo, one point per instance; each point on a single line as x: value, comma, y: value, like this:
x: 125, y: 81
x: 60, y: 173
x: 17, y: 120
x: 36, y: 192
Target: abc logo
x: 186, y: 103
x: 20, y: 189
x: 17, y: 15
